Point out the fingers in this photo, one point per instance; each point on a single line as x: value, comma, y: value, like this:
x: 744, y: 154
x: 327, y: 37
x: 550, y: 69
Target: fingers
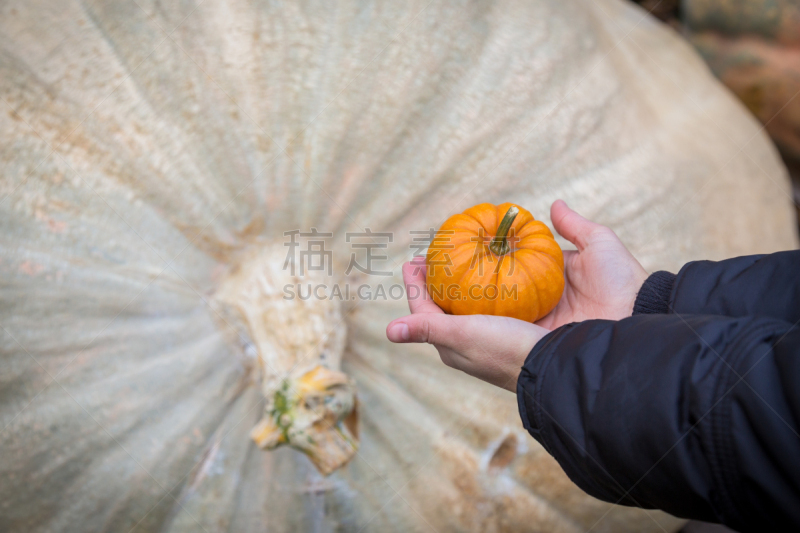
x: 490, y: 348
x: 416, y: 291
x: 571, y: 225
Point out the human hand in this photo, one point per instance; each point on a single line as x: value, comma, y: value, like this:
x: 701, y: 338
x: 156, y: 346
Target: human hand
x: 602, y: 277
x: 490, y: 348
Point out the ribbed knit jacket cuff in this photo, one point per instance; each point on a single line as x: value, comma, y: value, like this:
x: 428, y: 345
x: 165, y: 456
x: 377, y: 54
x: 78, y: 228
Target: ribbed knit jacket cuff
x: 653, y: 297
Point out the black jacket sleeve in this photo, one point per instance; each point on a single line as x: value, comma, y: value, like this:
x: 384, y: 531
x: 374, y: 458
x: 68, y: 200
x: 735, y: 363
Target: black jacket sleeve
x: 695, y: 415
x: 756, y: 285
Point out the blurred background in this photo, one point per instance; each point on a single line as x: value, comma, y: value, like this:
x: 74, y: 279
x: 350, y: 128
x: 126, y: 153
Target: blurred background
x: 152, y: 152
x: 753, y: 47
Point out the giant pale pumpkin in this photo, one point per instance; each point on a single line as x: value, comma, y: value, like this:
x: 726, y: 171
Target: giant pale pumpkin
x: 156, y: 158
x: 495, y: 260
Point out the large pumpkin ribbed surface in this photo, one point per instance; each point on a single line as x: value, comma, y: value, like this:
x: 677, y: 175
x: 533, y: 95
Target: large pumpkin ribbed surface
x: 146, y: 147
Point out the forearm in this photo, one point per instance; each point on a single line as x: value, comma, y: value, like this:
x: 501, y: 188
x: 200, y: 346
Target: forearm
x: 653, y: 411
x: 758, y: 285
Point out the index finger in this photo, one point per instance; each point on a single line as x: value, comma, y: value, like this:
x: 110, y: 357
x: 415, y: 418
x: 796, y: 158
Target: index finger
x: 419, y: 301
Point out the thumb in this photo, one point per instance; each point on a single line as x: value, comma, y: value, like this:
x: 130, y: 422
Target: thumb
x: 491, y: 348
x: 571, y: 225
x: 434, y: 328
x: 476, y: 335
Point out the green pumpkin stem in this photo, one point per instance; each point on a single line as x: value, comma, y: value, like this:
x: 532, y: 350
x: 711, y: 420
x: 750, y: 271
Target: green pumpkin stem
x: 499, y: 244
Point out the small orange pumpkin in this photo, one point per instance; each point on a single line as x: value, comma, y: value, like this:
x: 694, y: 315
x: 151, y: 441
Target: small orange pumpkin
x: 495, y: 260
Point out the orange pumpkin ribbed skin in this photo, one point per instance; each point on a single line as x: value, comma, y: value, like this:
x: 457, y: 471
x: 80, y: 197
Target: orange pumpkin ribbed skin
x: 465, y: 277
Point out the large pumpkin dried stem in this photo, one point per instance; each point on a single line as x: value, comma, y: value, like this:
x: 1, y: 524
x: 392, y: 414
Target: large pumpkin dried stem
x: 310, y: 404
x: 499, y: 244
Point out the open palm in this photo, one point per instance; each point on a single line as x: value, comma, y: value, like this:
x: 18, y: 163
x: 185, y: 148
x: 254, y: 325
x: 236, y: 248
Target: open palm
x: 491, y: 348
x: 602, y: 281
x: 602, y: 277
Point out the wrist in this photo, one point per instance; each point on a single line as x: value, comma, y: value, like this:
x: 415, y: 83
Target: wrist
x: 655, y: 294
